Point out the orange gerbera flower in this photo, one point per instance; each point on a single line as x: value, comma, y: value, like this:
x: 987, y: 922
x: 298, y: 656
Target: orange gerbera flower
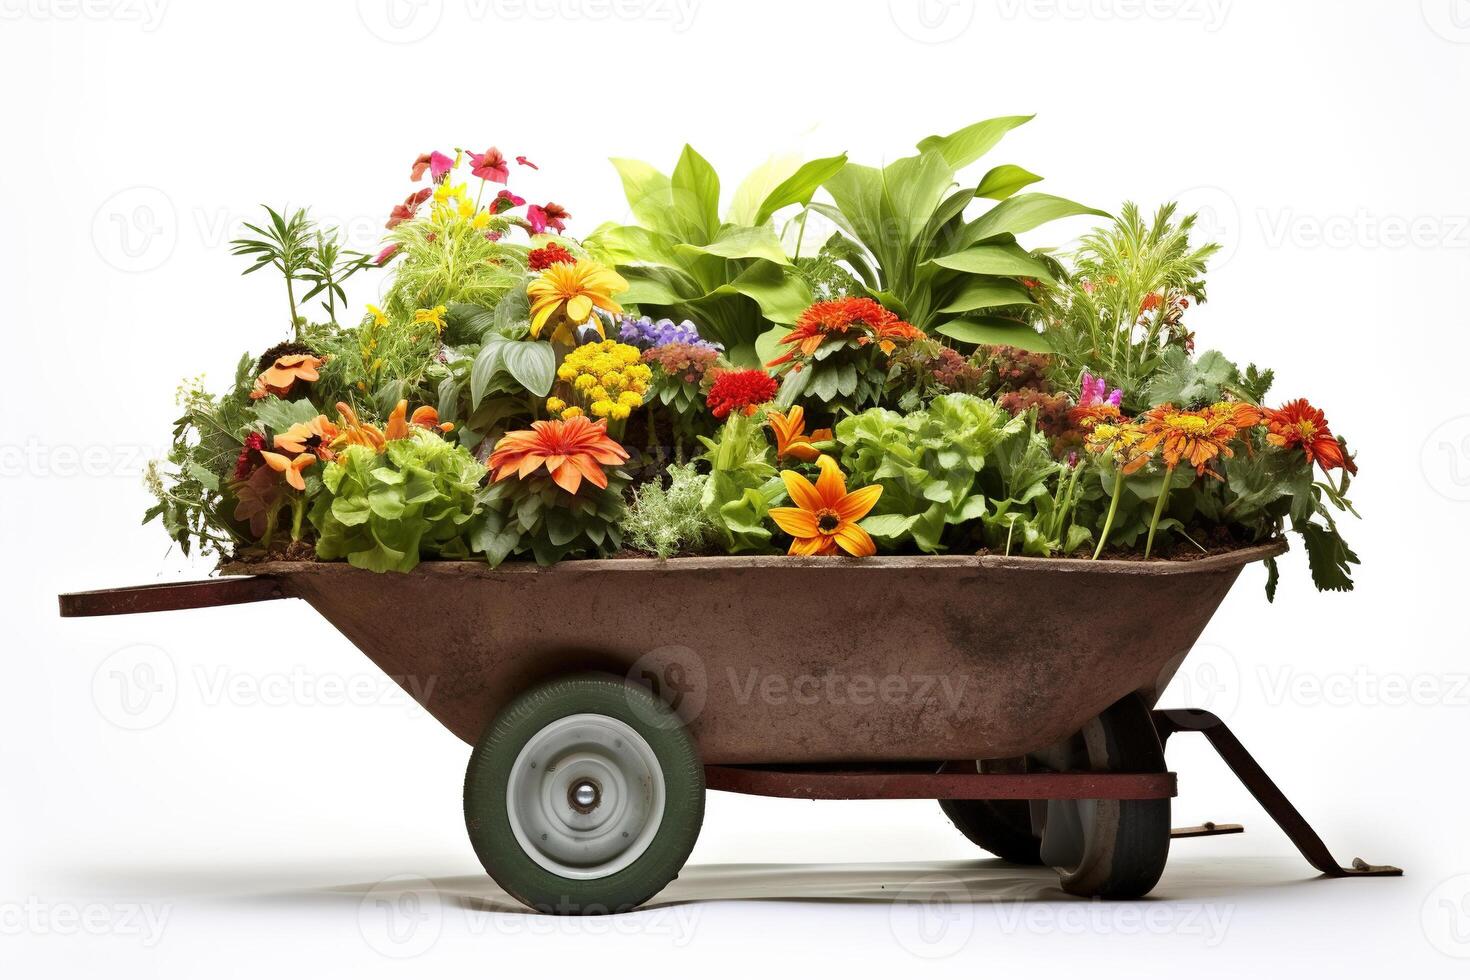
x: 315, y: 437
x: 791, y: 437
x: 570, y: 449
x: 291, y: 467
x: 1195, y: 438
x: 280, y: 377
x: 825, y: 516
x: 858, y: 317
x: 401, y: 424
x: 1297, y: 423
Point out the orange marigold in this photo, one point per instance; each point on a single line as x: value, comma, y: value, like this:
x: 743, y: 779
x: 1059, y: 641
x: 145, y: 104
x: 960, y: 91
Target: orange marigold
x: 863, y: 320
x: 1195, y: 438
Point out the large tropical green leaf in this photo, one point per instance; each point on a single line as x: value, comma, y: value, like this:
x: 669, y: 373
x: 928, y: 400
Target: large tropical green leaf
x: 995, y: 330
x: 1022, y: 213
x: 982, y: 293
x: 696, y: 193
x: 781, y: 297
x: 743, y: 242
x: 996, y: 260
x: 649, y: 193
x: 800, y: 186
x: 1003, y: 181
x: 964, y: 146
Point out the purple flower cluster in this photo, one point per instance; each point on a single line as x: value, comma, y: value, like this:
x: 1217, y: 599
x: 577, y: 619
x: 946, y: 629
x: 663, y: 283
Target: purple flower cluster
x: 646, y: 334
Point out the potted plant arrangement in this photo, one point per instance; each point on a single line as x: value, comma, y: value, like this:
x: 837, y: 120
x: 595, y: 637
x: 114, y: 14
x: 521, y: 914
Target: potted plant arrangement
x: 717, y: 438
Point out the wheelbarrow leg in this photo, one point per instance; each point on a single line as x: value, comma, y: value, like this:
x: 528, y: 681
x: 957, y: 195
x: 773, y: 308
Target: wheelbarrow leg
x: 1254, y: 778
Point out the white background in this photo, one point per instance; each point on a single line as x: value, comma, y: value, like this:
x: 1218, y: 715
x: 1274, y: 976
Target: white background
x: 253, y: 819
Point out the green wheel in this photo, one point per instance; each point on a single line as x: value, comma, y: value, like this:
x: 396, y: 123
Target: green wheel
x: 585, y: 796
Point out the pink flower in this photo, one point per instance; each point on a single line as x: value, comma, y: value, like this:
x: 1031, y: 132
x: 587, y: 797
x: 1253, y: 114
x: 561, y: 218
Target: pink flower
x: 490, y: 165
x: 546, y: 216
x: 504, y: 201
x: 1095, y: 392
x: 409, y: 208
x: 386, y: 254
x: 526, y: 163
x: 436, y: 163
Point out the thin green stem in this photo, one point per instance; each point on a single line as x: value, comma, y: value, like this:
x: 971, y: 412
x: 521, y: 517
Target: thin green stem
x: 801, y: 233
x: 1112, y: 513
x: 1153, y: 525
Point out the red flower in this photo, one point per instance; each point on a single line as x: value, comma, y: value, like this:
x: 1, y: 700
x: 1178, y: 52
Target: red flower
x: 387, y: 253
x: 249, y: 457
x: 546, y: 216
x: 409, y: 209
x: 526, y: 163
x: 1297, y: 423
x: 862, y: 318
x: 505, y: 200
x: 742, y: 390
x: 436, y: 163
x: 490, y: 165
x: 549, y: 255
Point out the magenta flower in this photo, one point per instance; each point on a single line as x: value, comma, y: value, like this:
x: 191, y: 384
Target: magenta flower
x: 504, y: 201
x: 490, y: 165
x: 436, y: 163
x: 409, y: 209
x: 1095, y: 392
x: 546, y: 216
x: 386, y: 254
x: 526, y: 163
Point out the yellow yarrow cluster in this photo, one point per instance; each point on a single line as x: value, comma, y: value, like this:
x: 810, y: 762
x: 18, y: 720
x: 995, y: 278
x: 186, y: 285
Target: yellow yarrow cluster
x: 607, y: 380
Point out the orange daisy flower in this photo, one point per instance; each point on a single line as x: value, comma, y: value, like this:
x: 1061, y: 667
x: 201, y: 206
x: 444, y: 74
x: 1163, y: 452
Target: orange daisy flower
x: 315, y: 437
x: 791, y: 437
x: 1297, y: 423
x: 1195, y: 438
x: 290, y: 467
x: 825, y: 516
x: 570, y: 449
x: 281, y: 377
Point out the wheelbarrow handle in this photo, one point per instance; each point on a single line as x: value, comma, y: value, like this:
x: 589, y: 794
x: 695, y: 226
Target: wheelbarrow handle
x: 166, y: 596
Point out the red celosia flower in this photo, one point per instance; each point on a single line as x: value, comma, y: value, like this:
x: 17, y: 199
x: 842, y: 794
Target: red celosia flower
x: 862, y: 318
x: 409, y: 209
x: 548, y: 215
x: 740, y: 390
x: 1297, y: 423
x: 249, y: 457
x: 490, y: 165
x: 526, y: 163
x: 548, y: 255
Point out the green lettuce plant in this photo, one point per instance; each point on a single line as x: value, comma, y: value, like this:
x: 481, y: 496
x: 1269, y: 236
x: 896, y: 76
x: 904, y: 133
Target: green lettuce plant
x: 743, y: 485
x: 682, y: 261
x: 904, y: 230
x: 383, y: 511
x: 928, y: 462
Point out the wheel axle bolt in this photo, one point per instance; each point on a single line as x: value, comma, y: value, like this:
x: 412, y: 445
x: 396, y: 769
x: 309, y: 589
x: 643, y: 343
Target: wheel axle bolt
x: 584, y: 796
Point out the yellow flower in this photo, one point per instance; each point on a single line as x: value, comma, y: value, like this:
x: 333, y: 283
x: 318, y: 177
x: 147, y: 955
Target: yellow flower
x: 481, y: 220
x: 570, y: 412
x: 466, y: 207
x: 601, y: 407
x: 572, y: 291
x: 612, y: 379
x: 631, y: 399
x: 380, y: 319
x: 444, y: 192
x: 584, y: 382
x: 619, y: 411
x: 434, y: 316
x: 555, y: 405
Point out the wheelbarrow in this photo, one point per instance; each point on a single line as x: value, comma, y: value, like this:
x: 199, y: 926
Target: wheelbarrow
x: 603, y: 698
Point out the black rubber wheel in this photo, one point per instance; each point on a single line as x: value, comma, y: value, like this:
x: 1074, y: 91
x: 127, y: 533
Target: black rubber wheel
x: 585, y: 796
x: 1002, y: 827
x: 1114, y: 849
